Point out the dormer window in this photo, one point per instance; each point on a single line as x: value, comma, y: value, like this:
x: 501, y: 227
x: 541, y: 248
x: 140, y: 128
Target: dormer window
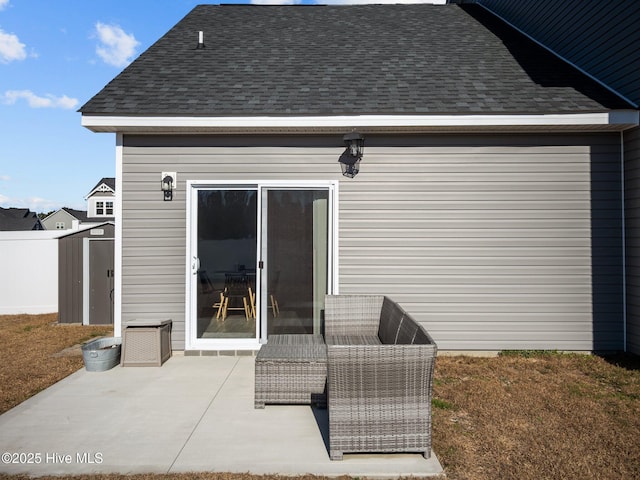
x: 101, y: 199
x: 104, y: 208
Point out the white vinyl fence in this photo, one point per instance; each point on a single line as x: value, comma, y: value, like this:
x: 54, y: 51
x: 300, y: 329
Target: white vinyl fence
x: 29, y: 280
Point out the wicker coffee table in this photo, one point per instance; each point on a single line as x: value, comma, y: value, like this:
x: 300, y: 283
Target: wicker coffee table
x: 291, y: 369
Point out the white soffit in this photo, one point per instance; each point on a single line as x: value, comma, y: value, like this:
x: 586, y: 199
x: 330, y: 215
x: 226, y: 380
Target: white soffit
x: 605, y: 121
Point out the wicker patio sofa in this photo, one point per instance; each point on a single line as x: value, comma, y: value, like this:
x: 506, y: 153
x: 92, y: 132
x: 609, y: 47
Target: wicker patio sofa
x: 380, y: 364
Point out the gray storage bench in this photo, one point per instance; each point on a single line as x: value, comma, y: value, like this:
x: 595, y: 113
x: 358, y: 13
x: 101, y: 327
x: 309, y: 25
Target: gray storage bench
x: 291, y: 369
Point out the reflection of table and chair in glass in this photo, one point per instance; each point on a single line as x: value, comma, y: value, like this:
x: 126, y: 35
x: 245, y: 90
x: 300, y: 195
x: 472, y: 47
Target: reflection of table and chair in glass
x: 239, y: 295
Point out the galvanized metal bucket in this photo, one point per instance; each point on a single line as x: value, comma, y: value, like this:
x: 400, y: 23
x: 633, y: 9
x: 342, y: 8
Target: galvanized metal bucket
x: 102, y: 354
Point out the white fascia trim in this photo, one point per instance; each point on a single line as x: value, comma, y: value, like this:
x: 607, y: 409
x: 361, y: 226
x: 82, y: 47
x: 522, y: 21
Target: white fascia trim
x: 117, y: 287
x: 118, y: 123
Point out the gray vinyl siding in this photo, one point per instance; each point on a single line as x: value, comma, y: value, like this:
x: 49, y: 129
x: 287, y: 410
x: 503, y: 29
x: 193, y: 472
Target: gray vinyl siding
x: 492, y: 242
x: 601, y: 37
x: 632, y: 204
x: 49, y: 223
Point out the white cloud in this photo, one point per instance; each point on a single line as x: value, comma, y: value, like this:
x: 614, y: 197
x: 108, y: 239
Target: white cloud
x: 116, y: 47
x: 4, y: 178
x: 11, y: 48
x: 38, y: 204
x: 35, y: 204
x: 49, y: 101
x: 3, y: 4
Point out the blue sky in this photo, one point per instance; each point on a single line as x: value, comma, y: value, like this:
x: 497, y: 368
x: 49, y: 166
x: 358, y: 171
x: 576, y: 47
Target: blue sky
x: 54, y: 56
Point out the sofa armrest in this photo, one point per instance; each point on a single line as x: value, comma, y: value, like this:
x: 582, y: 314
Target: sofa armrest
x: 379, y: 398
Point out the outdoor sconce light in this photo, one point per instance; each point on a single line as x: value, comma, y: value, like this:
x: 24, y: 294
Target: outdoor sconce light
x: 167, y: 185
x: 350, y: 158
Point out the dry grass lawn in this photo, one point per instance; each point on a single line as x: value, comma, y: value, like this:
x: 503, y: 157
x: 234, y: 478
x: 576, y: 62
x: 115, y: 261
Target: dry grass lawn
x: 523, y: 415
x: 538, y: 416
x: 28, y: 357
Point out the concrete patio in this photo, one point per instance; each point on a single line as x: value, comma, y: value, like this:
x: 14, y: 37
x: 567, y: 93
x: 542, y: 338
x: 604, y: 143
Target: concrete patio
x: 192, y: 414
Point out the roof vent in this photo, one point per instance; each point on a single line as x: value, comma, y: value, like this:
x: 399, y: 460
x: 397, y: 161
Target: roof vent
x: 200, y: 40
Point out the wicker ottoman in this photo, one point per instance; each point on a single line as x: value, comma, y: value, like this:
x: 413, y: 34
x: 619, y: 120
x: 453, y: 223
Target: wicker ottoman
x: 291, y: 369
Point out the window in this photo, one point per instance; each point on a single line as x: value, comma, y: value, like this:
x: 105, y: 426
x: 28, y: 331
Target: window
x: 60, y: 226
x: 103, y: 208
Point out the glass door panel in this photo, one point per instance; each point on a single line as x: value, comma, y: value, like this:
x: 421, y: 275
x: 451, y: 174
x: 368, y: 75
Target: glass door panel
x: 295, y: 246
x: 227, y: 237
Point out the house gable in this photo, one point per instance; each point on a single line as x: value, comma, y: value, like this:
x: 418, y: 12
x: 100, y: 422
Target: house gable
x: 357, y: 60
x: 104, y: 186
x: 58, y: 220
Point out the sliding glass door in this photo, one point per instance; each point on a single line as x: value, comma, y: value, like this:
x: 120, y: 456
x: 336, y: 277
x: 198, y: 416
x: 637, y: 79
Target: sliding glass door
x: 295, y: 246
x: 260, y: 261
x: 226, y: 259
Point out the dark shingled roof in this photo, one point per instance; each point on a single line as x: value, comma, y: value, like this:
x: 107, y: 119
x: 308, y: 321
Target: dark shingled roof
x: 17, y: 219
x: 347, y: 60
x: 108, y: 181
x: 78, y: 214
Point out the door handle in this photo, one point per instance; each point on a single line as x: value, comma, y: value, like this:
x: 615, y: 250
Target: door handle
x: 195, y: 266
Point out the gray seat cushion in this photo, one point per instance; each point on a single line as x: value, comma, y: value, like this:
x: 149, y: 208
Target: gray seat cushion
x: 352, y: 340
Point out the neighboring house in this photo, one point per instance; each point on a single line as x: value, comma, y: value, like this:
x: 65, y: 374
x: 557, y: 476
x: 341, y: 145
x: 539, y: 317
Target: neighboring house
x: 489, y: 201
x: 64, y: 219
x: 100, y: 200
x: 16, y: 219
x: 601, y: 39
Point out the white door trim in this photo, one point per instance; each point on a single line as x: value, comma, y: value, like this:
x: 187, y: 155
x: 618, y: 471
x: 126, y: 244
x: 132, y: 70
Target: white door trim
x: 193, y: 186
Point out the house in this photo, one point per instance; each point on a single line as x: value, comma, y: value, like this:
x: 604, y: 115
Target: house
x: 488, y: 201
x: 100, y: 200
x: 64, y: 219
x: 16, y: 219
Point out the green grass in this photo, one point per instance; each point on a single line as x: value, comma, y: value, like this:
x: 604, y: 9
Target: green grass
x: 528, y: 353
x: 441, y: 404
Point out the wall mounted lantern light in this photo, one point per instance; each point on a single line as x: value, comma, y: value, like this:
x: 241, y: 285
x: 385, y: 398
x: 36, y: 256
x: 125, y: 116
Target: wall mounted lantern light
x: 350, y: 158
x: 167, y: 185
